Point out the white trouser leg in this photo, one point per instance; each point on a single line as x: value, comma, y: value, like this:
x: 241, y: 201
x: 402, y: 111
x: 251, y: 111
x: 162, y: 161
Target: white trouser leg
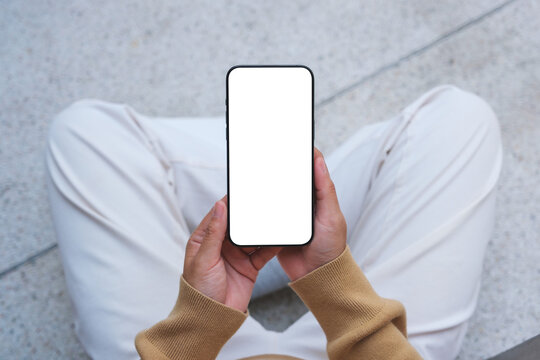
x: 420, y: 211
x: 123, y: 213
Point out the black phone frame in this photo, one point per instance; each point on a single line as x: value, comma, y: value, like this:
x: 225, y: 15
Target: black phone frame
x: 313, y: 197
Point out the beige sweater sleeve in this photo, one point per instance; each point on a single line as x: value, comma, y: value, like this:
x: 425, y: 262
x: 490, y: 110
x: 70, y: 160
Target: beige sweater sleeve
x: 197, y: 328
x: 358, y: 323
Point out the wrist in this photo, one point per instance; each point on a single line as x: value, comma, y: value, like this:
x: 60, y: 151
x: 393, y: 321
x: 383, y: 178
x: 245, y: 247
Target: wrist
x: 322, y: 260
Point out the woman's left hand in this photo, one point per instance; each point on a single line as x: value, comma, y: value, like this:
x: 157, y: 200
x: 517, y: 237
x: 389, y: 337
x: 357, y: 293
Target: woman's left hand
x: 219, y: 269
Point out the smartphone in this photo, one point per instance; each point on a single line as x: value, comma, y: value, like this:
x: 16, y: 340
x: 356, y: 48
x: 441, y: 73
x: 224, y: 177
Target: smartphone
x: 270, y: 139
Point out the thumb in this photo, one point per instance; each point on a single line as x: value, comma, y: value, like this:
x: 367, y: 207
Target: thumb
x: 325, y: 191
x: 210, y: 249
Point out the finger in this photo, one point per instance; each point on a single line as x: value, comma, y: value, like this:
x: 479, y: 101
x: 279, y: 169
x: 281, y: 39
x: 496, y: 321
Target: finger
x: 325, y: 191
x: 214, y: 234
x: 239, y: 260
x: 248, y: 249
x: 195, y: 240
x: 260, y: 257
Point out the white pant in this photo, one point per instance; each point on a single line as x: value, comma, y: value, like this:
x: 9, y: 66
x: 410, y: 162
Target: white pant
x: 417, y: 191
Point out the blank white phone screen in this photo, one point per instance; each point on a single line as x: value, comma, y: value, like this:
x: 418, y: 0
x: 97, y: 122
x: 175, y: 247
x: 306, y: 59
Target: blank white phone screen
x: 270, y: 155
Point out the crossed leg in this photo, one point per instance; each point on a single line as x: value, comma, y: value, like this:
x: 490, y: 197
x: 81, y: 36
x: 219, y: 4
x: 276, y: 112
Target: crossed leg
x: 126, y: 191
x: 125, y: 197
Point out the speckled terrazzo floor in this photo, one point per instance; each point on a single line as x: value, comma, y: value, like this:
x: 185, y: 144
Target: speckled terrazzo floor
x: 369, y: 59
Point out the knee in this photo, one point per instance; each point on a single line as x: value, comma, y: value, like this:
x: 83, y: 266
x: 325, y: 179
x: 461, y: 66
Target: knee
x: 452, y: 119
x: 466, y: 114
x: 73, y: 123
x: 79, y: 134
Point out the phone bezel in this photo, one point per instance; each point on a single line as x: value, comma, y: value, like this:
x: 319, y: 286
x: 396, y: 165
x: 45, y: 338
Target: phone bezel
x: 313, y: 204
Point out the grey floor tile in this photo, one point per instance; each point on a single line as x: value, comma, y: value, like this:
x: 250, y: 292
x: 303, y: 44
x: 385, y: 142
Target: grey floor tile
x: 25, y: 220
x: 278, y: 310
x: 171, y: 58
x: 36, y: 314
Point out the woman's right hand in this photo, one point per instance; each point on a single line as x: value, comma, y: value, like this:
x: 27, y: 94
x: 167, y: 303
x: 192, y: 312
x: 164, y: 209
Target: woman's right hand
x: 329, y: 239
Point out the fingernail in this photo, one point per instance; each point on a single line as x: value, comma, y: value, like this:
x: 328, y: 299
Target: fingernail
x: 218, y: 210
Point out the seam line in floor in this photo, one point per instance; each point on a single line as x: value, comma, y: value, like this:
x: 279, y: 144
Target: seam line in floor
x: 29, y: 259
x: 415, y: 53
x: 334, y: 96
